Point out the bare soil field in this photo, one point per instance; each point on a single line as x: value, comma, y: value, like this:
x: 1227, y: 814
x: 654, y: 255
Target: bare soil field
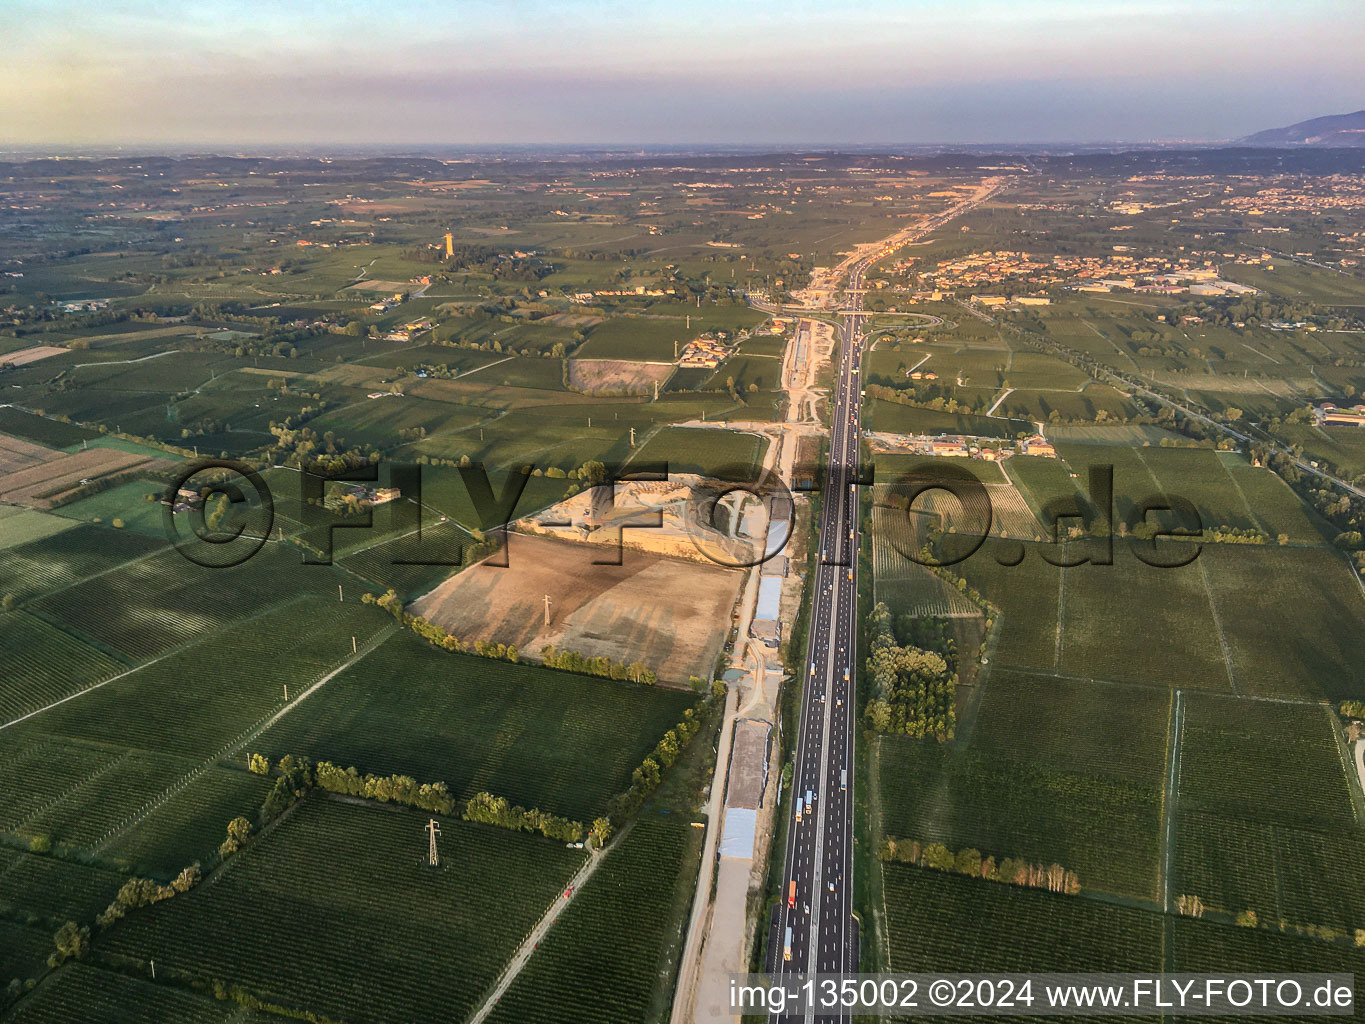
x: 43, y: 484
x: 31, y: 355
x: 671, y: 614
x: 597, y: 375
x: 16, y: 454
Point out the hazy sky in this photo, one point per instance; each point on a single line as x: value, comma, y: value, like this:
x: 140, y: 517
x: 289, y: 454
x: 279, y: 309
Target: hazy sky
x: 741, y: 71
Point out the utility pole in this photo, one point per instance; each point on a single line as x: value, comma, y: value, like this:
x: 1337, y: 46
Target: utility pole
x: 339, y: 597
x: 632, y: 437
x: 353, y: 648
x: 547, y: 609
x: 286, y: 693
x: 675, y: 352
x: 656, y: 383
x: 433, y: 830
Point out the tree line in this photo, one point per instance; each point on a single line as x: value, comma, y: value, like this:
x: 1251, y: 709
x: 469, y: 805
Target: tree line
x: 970, y: 862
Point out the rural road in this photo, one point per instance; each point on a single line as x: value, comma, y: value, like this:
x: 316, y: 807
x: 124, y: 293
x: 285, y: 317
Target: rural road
x: 542, y: 928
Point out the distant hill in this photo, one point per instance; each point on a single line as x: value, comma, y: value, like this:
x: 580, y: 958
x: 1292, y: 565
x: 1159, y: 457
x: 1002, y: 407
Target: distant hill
x: 1335, y: 131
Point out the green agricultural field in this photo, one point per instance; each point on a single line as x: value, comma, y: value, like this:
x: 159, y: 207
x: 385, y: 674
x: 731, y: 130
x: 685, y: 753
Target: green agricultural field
x: 1342, y: 448
x: 22, y: 951
x: 942, y: 922
x: 704, y: 451
x: 128, y: 503
x: 1110, y: 613
x: 253, y: 658
x: 189, y: 826
x: 52, y: 433
x: 53, y: 889
x: 29, y: 570
x: 94, y: 996
x: 613, y: 955
x: 43, y: 664
x: 1004, y: 797
x: 649, y: 338
x: 1290, y: 617
x: 1263, y: 761
x: 346, y: 890
x: 1266, y: 818
x: 149, y: 606
x: 907, y: 419
x: 24, y: 526
x: 540, y: 737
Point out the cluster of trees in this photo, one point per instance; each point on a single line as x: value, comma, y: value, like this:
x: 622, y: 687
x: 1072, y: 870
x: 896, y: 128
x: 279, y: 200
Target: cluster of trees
x: 911, y: 396
x: 498, y: 810
x: 1342, y: 510
x: 601, y: 665
x: 143, y: 892
x: 912, y: 689
x: 1353, y: 708
x: 645, y: 779
x: 398, y: 789
x: 1014, y: 871
x: 238, y: 831
x: 484, y: 259
x: 71, y: 942
x: 295, y: 779
x: 1237, y: 535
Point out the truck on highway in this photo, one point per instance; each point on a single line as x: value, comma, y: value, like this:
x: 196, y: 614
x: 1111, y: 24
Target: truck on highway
x: 791, y: 894
x: 798, y: 808
x: 843, y: 778
x: 787, y: 945
x: 810, y: 798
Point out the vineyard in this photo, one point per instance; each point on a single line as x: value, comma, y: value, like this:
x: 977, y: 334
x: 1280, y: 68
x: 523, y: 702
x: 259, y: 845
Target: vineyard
x: 53, y: 889
x: 1263, y: 762
x: 31, y: 569
x: 612, y: 956
x: 562, y: 742
x: 220, y: 687
x: 1112, y: 612
x: 92, y: 996
x: 1026, y: 595
x: 1103, y: 828
x: 1266, y: 822
x: 373, y: 935
x: 22, y: 952
x: 95, y: 766
x: 1076, y: 726
x: 1211, y: 948
x: 383, y: 565
x: 148, y: 607
x: 939, y: 921
x: 907, y: 587
x: 43, y: 664
x: 707, y: 452
x: 189, y: 825
x: 1315, y: 649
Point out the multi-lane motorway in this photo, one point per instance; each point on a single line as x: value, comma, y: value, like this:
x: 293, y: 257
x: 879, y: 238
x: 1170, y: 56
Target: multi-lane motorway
x: 815, y: 931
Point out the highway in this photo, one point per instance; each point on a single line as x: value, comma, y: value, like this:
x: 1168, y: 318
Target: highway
x: 820, y: 844
x: 817, y: 885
